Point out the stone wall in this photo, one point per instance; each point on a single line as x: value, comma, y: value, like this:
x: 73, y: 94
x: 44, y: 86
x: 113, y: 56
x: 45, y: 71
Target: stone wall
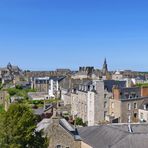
x: 115, y: 108
x: 59, y: 136
x: 125, y: 112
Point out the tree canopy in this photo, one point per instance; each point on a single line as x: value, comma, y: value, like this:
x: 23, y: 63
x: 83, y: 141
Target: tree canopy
x: 17, y: 128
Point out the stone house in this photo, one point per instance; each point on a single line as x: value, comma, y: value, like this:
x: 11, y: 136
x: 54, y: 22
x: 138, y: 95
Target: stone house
x: 60, y: 133
x: 117, y: 76
x: 128, y: 102
x: 11, y: 74
x: 50, y: 85
x: 90, y: 100
x: 87, y: 102
x: 143, y: 112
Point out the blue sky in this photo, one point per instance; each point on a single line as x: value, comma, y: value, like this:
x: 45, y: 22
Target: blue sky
x: 49, y: 34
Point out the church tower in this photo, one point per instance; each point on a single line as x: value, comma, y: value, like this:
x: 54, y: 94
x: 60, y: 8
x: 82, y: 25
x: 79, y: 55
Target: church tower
x: 9, y: 66
x: 105, y: 68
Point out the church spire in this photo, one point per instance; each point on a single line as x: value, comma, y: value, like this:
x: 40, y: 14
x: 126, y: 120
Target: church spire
x: 105, y: 68
x: 9, y: 66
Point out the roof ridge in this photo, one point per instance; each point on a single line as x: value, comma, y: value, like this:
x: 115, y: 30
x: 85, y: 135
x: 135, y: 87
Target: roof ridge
x: 119, y: 129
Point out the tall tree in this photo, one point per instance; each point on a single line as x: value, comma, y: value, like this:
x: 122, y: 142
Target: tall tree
x: 17, y: 129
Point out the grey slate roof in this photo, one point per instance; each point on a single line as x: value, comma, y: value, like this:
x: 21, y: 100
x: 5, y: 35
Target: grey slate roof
x: 115, y: 136
x: 108, y: 84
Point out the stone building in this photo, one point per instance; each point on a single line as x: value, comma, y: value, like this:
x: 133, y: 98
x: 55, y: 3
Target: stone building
x: 87, y: 102
x: 90, y: 72
x: 117, y: 76
x: 56, y: 73
x: 129, y: 101
x: 84, y: 73
x: 90, y: 100
x: 40, y: 84
x: 143, y: 112
x: 50, y: 85
x: 60, y: 133
x: 11, y: 74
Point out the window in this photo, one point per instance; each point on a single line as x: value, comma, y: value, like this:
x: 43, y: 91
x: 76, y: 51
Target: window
x: 58, y: 146
x: 135, y: 115
x: 105, y: 95
x: 112, y: 114
x: 135, y: 105
x: 129, y: 106
x: 141, y: 116
x: 133, y: 95
x: 126, y: 96
x: 90, y: 96
x: 105, y: 114
x: 112, y: 105
x: 144, y: 106
x: 105, y: 104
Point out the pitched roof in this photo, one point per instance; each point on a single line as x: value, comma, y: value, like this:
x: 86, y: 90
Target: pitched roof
x: 108, y: 84
x: 115, y: 136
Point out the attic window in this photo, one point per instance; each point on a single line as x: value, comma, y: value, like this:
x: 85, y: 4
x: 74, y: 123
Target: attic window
x: 145, y: 106
x: 127, y: 96
x: 134, y: 95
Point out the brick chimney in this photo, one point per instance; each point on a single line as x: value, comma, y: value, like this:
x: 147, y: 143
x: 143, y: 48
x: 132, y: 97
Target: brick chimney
x: 144, y: 91
x: 116, y: 93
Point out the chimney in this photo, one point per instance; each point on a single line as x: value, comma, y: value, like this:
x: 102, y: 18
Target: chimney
x: 144, y: 91
x: 116, y: 93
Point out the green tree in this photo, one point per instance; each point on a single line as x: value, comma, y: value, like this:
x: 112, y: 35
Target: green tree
x: 12, y: 91
x: 79, y: 121
x: 17, y: 129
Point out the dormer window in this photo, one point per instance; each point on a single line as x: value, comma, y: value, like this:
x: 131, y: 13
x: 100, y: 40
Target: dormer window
x: 145, y: 106
x: 127, y: 96
x: 134, y: 95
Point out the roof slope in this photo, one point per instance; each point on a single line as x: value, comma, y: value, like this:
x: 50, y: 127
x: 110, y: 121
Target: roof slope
x: 115, y: 136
